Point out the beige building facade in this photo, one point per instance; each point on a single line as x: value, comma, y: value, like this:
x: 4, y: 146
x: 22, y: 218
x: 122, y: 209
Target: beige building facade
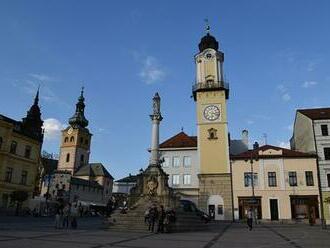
x: 285, y: 184
x: 311, y: 134
x: 20, y: 146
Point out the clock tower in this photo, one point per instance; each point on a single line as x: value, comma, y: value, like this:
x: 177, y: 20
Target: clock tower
x: 76, y: 139
x: 211, y: 93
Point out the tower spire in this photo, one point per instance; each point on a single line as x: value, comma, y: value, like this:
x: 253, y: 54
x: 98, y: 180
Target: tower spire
x: 79, y: 119
x: 36, y: 98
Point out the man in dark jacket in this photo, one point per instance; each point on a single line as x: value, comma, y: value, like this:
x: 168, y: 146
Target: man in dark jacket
x: 161, y: 220
x: 153, y: 216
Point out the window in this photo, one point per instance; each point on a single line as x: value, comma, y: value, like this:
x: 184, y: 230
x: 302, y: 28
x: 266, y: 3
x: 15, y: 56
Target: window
x: 328, y: 177
x: 272, y: 179
x: 220, y: 209
x: 66, y: 139
x: 326, y: 153
x: 187, y: 179
x: 86, y: 142
x: 81, y: 140
x: 72, y: 139
x: 166, y: 162
x: 176, y: 161
x: 176, y: 180
x: 248, y: 181
x: 9, y: 174
x: 292, y: 178
x: 186, y: 161
x: 324, y: 130
x: 24, y: 177
x: 13, y: 147
x: 67, y: 157
x: 309, y: 178
x: 0, y: 142
x: 27, y: 152
x: 212, y: 133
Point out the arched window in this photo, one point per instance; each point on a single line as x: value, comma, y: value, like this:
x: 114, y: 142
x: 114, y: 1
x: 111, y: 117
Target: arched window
x: 68, y: 157
x: 0, y: 142
x: 66, y: 139
x: 13, y: 147
x: 86, y: 142
x: 72, y: 139
x: 81, y: 140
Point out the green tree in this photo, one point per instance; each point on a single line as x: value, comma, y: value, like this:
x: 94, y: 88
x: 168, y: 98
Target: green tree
x: 18, y: 197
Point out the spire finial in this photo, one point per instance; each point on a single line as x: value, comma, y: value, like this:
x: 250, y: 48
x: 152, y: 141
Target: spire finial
x: 207, y: 26
x: 36, y: 98
x: 82, y: 91
x: 181, y: 129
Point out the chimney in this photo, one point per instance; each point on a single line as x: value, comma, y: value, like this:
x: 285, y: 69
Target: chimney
x: 245, y: 137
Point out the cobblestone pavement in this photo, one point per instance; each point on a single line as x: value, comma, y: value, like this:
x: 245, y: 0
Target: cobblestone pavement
x: 39, y: 232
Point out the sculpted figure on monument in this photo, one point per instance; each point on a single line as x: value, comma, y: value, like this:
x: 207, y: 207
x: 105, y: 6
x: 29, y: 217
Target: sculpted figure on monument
x: 152, y: 185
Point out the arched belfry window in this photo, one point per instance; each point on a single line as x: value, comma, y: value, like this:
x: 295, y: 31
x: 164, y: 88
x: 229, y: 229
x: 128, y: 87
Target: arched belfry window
x: 66, y: 139
x: 72, y: 139
x: 67, y: 157
x: 212, y: 134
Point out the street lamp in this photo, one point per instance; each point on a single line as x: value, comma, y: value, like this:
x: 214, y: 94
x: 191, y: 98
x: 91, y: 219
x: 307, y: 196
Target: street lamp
x: 253, y: 157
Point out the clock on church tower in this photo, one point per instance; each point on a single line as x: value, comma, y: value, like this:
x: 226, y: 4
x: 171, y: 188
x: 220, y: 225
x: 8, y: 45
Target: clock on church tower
x: 211, y: 93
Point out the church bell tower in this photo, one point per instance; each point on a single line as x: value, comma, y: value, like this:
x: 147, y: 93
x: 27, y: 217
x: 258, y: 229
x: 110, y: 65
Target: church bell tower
x: 76, y: 140
x: 211, y: 93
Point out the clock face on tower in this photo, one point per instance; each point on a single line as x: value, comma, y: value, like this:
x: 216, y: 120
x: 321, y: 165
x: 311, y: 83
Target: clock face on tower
x: 211, y: 113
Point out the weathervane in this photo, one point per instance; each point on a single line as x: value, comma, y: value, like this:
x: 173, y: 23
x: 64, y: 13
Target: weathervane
x: 207, y: 25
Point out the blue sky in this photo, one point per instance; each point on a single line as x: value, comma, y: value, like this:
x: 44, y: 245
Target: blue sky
x: 276, y: 60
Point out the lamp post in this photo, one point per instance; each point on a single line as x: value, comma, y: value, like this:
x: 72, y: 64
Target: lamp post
x: 253, y: 157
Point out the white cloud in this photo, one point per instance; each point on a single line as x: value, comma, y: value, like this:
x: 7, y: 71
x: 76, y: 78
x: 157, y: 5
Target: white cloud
x: 308, y: 84
x: 250, y: 122
x: 286, y: 97
x: 284, y: 93
x: 52, y: 128
x: 284, y: 144
x: 152, y: 72
x: 311, y: 66
x: 41, y: 77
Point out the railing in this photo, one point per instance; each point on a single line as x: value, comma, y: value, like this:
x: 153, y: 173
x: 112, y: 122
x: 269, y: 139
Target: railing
x: 210, y: 85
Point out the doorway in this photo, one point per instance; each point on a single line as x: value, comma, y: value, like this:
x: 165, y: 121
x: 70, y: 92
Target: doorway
x: 273, y: 203
x: 216, y: 207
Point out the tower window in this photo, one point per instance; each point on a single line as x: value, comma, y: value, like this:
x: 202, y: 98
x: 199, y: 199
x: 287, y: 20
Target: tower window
x: 212, y: 133
x: 66, y: 139
x: 86, y: 142
x: 68, y: 157
x: 81, y: 140
x: 72, y: 139
x: 81, y: 159
x: 13, y: 147
x: 0, y: 142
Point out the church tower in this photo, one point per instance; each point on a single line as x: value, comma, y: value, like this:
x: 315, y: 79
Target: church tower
x: 76, y: 140
x: 211, y: 93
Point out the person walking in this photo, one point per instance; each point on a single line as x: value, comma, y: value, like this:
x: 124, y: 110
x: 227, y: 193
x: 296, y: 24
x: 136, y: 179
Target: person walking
x: 74, y: 215
x: 59, y: 218
x: 66, y: 215
x: 161, y: 220
x: 249, y: 218
x: 146, y: 215
x: 153, y: 216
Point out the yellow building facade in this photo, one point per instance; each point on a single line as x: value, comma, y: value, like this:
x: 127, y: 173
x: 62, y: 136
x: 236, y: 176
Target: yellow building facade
x: 285, y: 184
x: 20, y: 146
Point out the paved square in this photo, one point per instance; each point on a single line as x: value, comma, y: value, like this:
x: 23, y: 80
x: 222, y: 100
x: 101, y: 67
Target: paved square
x: 39, y: 232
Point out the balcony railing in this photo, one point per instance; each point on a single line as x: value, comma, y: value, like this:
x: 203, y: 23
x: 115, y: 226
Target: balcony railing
x: 211, y: 85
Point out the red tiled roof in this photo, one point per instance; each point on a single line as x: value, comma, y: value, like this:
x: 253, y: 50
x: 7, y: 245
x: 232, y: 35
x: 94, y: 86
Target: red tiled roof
x: 316, y: 114
x: 180, y: 140
x: 286, y: 153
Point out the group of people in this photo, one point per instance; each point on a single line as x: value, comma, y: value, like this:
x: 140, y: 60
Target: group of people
x: 66, y: 216
x: 162, y: 218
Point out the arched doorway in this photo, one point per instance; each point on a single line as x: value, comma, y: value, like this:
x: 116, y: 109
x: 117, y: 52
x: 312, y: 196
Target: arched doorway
x: 215, y: 207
